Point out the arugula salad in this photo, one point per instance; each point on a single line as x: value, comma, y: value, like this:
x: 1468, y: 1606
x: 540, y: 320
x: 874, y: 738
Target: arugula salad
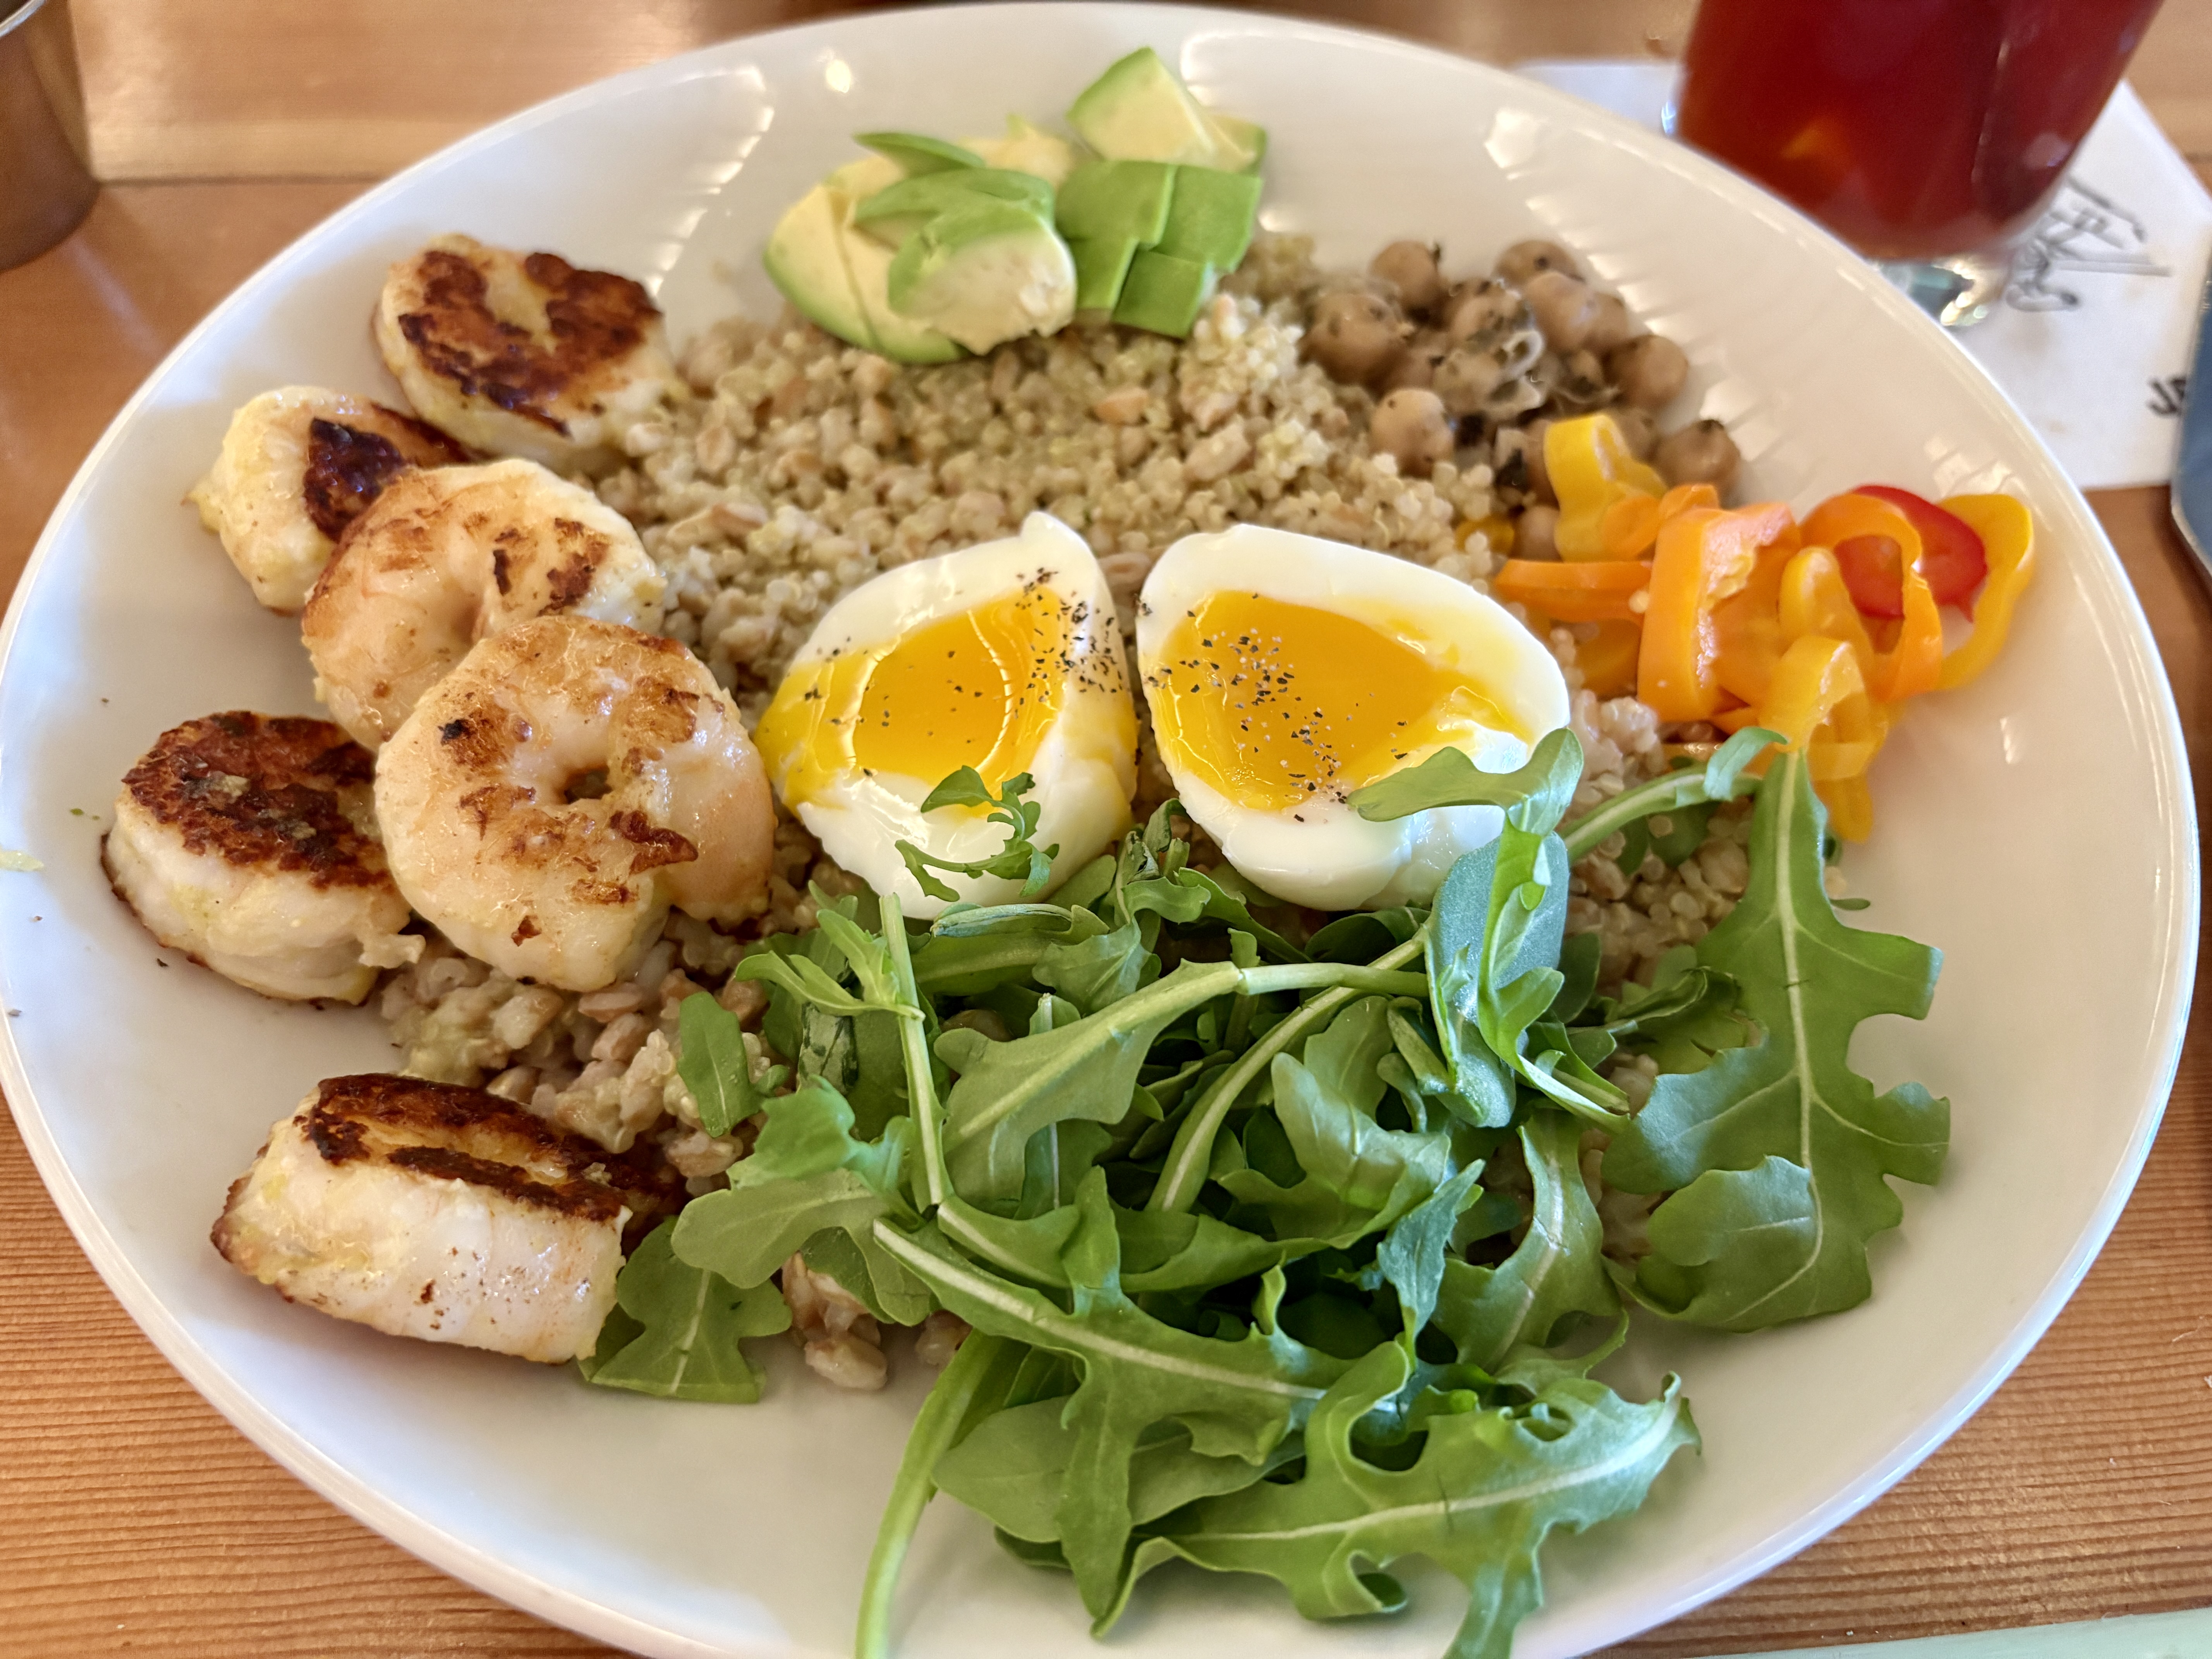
x: 1228, y: 1211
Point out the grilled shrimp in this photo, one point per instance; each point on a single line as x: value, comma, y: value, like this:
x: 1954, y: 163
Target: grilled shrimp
x: 248, y: 841
x: 297, y: 467
x: 428, y: 1210
x: 549, y: 799
x: 522, y: 354
x: 443, y: 559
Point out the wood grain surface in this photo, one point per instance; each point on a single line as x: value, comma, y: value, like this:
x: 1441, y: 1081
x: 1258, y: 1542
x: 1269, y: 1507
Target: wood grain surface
x: 134, y: 1519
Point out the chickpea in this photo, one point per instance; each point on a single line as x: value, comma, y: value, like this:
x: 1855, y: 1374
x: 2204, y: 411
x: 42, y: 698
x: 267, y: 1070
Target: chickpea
x: 1649, y: 371
x: 1701, y: 453
x: 1639, y: 429
x: 1355, y: 337
x: 1412, y: 268
x: 1412, y: 425
x: 1521, y: 263
x: 1467, y: 380
x: 1563, y: 308
x: 1536, y: 533
x: 1480, y: 312
x: 1418, y: 367
x: 1612, y: 327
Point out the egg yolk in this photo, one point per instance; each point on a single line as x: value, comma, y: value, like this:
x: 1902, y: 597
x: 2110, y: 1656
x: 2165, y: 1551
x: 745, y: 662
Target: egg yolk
x: 1274, y: 704
x: 977, y: 689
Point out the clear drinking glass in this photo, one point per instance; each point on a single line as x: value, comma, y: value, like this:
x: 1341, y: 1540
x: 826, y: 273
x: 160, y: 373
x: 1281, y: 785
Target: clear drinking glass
x: 1927, y: 134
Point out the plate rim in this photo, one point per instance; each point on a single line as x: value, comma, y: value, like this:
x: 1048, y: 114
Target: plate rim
x: 450, y: 1553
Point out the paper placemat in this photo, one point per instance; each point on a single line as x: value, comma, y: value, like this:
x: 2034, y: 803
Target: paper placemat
x: 2092, y: 337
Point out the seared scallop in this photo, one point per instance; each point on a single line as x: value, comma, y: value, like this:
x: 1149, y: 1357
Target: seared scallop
x: 248, y: 841
x: 297, y: 467
x: 433, y: 1210
x: 523, y: 353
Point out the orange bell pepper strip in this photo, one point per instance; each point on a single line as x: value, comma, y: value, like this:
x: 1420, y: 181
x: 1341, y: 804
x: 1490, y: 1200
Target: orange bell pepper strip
x: 1747, y: 626
x: 1632, y: 524
x: 1915, y: 663
x: 1608, y: 659
x: 1704, y: 555
x: 2009, y: 536
x: 1590, y: 468
x: 1599, y: 590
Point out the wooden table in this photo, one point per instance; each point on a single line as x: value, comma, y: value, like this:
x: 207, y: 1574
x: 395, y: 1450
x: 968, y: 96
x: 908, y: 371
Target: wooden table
x: 132, y: 1517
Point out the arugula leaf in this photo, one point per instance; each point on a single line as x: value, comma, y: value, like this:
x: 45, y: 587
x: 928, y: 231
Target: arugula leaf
x: 1005, y: 1092
x: 1101, y: 969
x: 1236, y: 1399
x: 675, y: 1328
x: 1414, y: 1255
x: 1020, y: 860
x: 1486, y: 1489
x: 1327, y: 1111
x: 1777, y: 1154
x: 789, y: 1191
x: 711, y: 1059
x: 1013, y: 1469
x: 1450, y: 778
x: 1491, y: 1314
x: 1720, y: 780
x: 977, y: 1367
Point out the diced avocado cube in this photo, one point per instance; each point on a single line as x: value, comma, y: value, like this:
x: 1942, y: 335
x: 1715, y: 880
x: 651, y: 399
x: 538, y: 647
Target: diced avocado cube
x: 1116, y: 201
x: 803, y: 260
x: 1138, y: 111
x: 917, y: 152
x: 1238, y: 143
x: 897, y: 211
x: 988, y: 273
x: 1210, y: 217
x: 1101, y: 267
x: 1028, y: 148
x: 1163, y: 293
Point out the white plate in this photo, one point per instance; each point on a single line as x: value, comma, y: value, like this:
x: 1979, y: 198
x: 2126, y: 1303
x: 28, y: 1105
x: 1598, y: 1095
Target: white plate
x: 2037, y: 827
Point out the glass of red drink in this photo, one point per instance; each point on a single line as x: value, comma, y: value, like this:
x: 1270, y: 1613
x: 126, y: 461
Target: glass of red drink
x: 1927, y: 134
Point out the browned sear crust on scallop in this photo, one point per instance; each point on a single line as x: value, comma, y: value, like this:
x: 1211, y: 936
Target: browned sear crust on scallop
x: 262, y: 790
x: 595, y: 317
x: 349, y: 464
x: 447, y: 1132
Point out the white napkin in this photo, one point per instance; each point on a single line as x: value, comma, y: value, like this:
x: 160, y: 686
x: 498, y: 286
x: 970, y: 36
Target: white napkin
x: 2092, y: 337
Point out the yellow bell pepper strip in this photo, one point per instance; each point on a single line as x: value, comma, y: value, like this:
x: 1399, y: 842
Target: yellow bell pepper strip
x: 1811, y: 599
x: 1850, y: 807
x: 1632, y: 524
x: 1599, y: 590
x: 1590, y: 468
x: 1814, y: 677
x: 1608, y: 659
x: 1704, y: 555
x: 1497, y: 530
x: 2009, y: 536
x: 1915, y: 663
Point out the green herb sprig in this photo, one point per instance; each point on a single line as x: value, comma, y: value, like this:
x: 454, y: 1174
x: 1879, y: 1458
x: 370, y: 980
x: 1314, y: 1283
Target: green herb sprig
x: 1021, y: 860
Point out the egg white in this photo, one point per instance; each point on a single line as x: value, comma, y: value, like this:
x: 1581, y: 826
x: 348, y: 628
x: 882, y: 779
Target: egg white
x: 1085, y: 769
x: 1322, y: 854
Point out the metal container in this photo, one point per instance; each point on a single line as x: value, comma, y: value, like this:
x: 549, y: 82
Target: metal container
x: 45, y: 173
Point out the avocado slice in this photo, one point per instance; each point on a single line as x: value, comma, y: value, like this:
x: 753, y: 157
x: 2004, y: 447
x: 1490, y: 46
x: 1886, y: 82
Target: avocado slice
x: 806, y: 260
x: 1238, y: 143
x: 1116, y: 201
x: 1101, y: 267
x: 902, y: 339
x: 1138, y: 111
x: 864, y: 178
x: 1210, y: 217
x: 1163, y: 293
x: 985, y: 274
x: 918, y: 153
x: 1028, y: 148
x: 896, y: 212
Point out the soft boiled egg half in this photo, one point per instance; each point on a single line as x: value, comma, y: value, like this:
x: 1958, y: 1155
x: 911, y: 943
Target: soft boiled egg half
x: 1284, y: 673
x: 1004, y: 657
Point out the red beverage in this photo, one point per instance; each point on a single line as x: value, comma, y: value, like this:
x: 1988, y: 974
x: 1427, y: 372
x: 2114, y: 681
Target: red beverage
x: 1913, y: 129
